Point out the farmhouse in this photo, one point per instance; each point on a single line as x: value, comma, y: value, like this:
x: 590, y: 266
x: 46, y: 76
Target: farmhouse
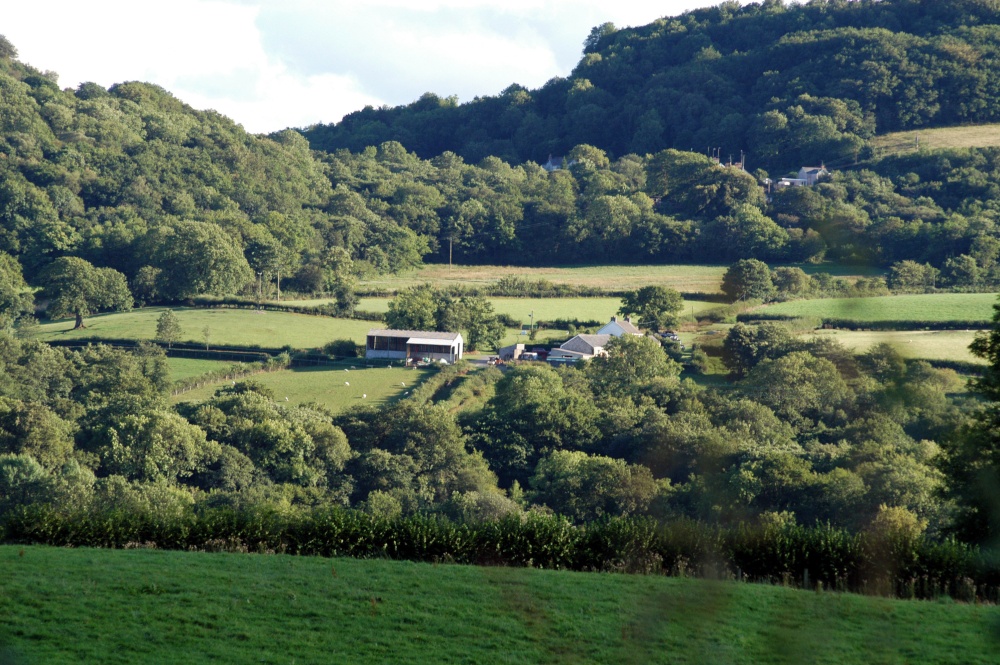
x: 414, y: 345
x: 583, y: 347
x: 618, y: 327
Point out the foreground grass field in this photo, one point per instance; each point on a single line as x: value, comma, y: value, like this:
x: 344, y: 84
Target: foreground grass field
x: 923, y: 307
x: 226, y: 326
x: 327, y: 386
x: 977, y: 136
x: 128, y: 606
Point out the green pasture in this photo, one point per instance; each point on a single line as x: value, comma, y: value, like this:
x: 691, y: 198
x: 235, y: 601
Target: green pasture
x: 976, y: 136
x: 187, y: 368
x: 918, y: 344
x: 327, y: 386
x: 236, y: 327
x: 549, y: 309
x: 62, y: 605
x: 923, y: 307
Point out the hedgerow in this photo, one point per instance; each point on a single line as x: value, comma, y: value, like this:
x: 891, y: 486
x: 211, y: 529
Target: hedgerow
x: 818, y: 557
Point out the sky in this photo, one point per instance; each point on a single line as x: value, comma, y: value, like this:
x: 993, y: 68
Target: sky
x: 272, y: 64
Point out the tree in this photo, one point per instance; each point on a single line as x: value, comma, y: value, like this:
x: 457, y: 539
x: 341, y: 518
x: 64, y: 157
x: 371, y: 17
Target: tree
x: 630, y: 362
x: 748, y: 278
x: 168, y: 328
x: 413, y: 309
x: 483, y: 327
x: 196, y: 258
x: 791, y: 281
x: 912, y: 276
x: 593, y: 39
x: 15, y: 296
x: 746, y: 346
x: 657, y: 306
x: 75, y: 287
x: 588, y: 487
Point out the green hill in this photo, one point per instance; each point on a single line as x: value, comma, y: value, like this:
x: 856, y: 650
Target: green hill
x: 791, y: 83
x: 115, y: 606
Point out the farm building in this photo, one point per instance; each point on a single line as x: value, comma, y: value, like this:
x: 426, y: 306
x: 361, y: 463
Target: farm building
x: 414, y: 345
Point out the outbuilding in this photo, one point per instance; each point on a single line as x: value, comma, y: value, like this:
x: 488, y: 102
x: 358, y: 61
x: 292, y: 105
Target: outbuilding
x: 414, y: 345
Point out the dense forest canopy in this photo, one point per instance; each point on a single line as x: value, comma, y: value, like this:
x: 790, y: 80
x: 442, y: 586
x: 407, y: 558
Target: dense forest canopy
x: 184, y: 202
x: 789, y: 83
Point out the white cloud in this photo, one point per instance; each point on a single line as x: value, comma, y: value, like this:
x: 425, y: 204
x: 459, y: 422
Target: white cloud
x: 271, y: 64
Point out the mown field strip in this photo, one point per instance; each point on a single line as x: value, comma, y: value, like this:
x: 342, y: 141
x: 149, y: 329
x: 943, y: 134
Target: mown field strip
x: 923, y: 307
x: 62, y: 605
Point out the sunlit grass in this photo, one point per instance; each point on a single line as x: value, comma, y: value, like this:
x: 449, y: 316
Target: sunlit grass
x: 918, y: 344
x: 327, y: 386
x: 922, y: 307
x: 238, y: 327
x: 186, y: 368
x: 129, y: 606
x: 975, y: 136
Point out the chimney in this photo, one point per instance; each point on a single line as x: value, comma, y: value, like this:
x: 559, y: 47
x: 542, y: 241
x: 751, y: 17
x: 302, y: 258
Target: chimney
x: 614, y: 319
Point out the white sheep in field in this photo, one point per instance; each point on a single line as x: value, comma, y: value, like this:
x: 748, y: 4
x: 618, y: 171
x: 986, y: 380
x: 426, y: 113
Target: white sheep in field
x: 347, y: 383
x: 364, y: 396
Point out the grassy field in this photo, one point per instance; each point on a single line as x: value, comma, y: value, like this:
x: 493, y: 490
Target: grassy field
x: 548, y: 309
x: 924, y: 307
x: 327, y: 386
x: 227, y: 327
x: 127, y: 606
x: 186, y: 368
x: 684, y: 278
x: 978, y: 136
x: 921, y: 344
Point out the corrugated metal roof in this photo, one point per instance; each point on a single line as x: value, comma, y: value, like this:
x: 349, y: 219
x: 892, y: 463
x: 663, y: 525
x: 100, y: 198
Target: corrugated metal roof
x: 430, y: 342
x: 422, y: 334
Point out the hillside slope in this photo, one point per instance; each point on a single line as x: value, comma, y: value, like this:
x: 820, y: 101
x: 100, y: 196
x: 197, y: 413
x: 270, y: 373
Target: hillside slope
x: 69, y: 606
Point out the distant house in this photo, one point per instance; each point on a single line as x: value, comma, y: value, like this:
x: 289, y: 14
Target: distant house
x: 811, y: 174
x: 410, y: 345
x: 807, y: 177
x: 618, y: 327
x: 557, y: 163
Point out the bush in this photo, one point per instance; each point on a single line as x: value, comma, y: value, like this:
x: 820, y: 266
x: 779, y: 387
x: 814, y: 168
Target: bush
x: 342, y: 348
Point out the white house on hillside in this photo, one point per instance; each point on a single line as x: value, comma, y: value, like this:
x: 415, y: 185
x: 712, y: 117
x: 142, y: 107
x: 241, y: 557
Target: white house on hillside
x: 618, y: 327
x: 807, y: 177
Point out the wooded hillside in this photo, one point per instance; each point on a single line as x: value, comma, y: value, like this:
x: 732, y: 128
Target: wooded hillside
x: 788, y: 83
